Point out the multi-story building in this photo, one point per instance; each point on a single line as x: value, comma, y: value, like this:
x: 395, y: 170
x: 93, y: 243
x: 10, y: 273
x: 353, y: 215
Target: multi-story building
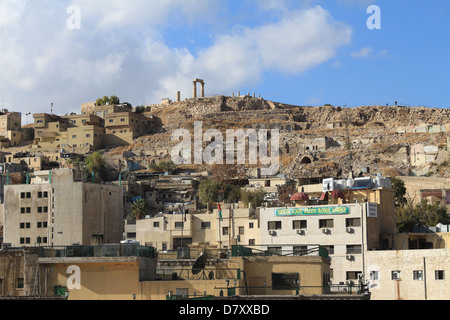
x: 127, y: 272
x: 123, y: 127
x: 10, y: 128
x: 55, y: 209
x: 409, y: 274
x: 238, y: 226
x: 358, y: 221
x: 109, y: 125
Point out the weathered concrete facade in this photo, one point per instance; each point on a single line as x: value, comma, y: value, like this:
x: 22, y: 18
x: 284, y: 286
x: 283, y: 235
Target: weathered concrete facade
x: 57, y: 210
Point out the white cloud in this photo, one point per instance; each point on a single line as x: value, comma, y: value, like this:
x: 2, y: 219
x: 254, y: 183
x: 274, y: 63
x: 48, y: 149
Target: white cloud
x: 300, y: 41
x: 368, y: 52
x: 120, y: 50
x: 363, y: 53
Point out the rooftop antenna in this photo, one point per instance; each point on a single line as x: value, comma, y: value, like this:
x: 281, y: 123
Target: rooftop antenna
x: 51, y: 108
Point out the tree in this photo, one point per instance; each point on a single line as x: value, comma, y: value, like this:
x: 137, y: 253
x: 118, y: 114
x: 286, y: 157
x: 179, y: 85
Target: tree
x: 112, y: 100
x: 422, y: 214
x: 285, y: 193
x: 399, y: 192
x: 95, y: 163
x: 256, y: 197
x: 209, y: 191
x: 139, y: 209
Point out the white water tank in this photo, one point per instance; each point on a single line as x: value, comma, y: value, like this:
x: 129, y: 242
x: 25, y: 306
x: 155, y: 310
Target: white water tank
x: 341, y: 184
x: 350, y: 183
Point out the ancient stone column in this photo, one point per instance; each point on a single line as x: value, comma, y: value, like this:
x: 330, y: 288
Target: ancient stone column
x: 178, y: 96
x: 195, y: 90
x: 203, y: 89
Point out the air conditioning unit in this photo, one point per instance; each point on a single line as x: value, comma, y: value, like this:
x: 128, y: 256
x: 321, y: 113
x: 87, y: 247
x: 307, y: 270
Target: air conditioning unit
x: 326, y: 231
x: 272, y: 232
x: 301, y: 232
x: 350, y: 230
x: 349, y: 257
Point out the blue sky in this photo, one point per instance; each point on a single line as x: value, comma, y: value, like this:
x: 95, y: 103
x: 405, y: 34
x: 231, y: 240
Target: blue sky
x: 302, y: 52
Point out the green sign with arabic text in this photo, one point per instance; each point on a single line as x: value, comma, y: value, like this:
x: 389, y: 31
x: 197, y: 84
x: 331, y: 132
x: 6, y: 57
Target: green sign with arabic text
x: 301, y: 211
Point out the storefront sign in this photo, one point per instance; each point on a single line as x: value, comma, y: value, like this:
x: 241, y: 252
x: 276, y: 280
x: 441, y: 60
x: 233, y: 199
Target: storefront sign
x: 305, y: 211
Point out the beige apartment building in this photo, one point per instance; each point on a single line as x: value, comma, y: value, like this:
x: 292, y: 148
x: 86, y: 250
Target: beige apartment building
x: 10, y: 128
x: 55, y: 209
x: 409, y: 274
x: 240, y: 226
x: 123, y: 127
x: 71, y: 133
x: 110, y: 125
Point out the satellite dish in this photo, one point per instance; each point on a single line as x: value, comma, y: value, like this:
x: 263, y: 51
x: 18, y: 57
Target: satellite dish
x: 199, y: 264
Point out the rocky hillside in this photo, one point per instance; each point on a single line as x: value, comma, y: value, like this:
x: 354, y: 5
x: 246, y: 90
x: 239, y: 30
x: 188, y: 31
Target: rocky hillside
x: 314, y: 141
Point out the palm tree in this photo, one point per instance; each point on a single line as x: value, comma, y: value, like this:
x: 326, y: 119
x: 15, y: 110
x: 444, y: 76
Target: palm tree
x: 139, y: 209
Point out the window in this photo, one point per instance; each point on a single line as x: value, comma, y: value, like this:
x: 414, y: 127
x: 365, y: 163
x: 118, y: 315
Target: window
x: 39, y: 209
x: 206, y: 225
x: 299, y: 224
x: 88, y: 135
x: 28, y: 195
x: 179, y: 225
x: 300, y: 250
x: 225, y: 231
x: 20, y: 283
x: 164, y: 246
x: 353, y: 249
x: 22, y: 195
x: 156, y: 224
x: 40, y: 194
x: 274, y: 225
x: 45, y: 195
x: 122, y: 120
x: 418, y: 274
x: 395, y: 275
x: 251, y: 225
x: 352, y: 222
x: 241, y: 230
x: 39, y: 224
x: 374, y: 275
x: 22, y: 210
x: 330, y: 249
x: 251, y: 242
x: 74, y: 136
x: 326, y: 223
x: 285, y: 281
x: 22, y: 225
x: 353, y: 275
x: 439, y: 275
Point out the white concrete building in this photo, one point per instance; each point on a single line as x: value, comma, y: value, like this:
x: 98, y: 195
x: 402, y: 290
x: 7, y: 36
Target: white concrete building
x: 409, y: 274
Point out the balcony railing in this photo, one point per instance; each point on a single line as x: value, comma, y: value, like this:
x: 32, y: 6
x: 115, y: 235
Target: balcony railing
x: 106, y: 250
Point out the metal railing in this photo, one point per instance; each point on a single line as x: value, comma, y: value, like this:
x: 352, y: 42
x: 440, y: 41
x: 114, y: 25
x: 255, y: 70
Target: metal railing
x: 347, y: 289
x: 169, y: 274
x: 106, y: 250
x: 245, y: 251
